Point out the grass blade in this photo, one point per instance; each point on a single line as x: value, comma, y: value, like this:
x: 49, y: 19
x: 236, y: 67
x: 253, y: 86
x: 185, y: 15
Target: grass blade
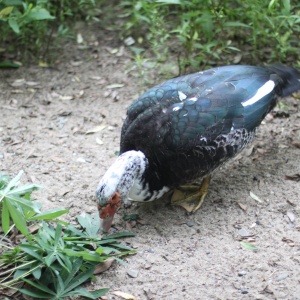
x: 49, y: 215
x: 79, y: 279
x: 5, y: 217
x: 119, y: 235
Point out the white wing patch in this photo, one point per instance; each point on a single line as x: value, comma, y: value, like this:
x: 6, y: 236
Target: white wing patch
x: 266, y: 89
x: 181, y: 96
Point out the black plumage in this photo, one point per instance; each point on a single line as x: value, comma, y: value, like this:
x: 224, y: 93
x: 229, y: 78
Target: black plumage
x: 187, y: 126
x: 183, y: 129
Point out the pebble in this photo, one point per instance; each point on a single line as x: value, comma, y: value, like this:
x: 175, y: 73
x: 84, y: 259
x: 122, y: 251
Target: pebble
x: 242, y: 273
x: 133, y: 273
x: 243, y: 232
x: 190, y: 223
x: 282, y: 276
x: 244, y: 291
x: 81, y: 160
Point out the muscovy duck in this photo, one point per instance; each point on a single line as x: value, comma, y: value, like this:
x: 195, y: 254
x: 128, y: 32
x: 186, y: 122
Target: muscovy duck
x: 183, y: 129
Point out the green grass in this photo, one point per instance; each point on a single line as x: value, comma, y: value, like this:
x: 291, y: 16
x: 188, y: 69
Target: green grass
x: 51, y: 257
x: 213, y: 32
x: 192, y: 34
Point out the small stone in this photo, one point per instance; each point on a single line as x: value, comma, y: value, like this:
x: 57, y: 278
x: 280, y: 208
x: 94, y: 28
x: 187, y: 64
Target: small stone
x: 132, y: 273
x: 242, y: 273
x: 243, y: 232
x: 81, y: 160
x: 282, y: 276
x: 244, y: 291
x: 190, y: 223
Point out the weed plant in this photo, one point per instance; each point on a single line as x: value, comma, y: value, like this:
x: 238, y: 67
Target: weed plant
x: 44, y: 257
x: 210, y: 32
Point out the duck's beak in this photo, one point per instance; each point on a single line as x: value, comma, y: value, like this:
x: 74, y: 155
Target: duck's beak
x: 106, y: 223
x: 107, y: 212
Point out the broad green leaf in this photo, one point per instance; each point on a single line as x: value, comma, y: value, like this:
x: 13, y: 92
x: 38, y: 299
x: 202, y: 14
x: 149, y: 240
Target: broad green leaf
x: 168, y: 1
x: 17, y: 218
x: 84, y: 293
x: 5, y: 217
x: 6, y: 11
x: 57, y: 236
x: 248, y: 246
x: 25, y: 203
x: 14, y: 182
x: 60, y: 286
x: 50, y: 258
x: 19, y: 273
x: 31, y: 250
x: 86, y: 255
x: 49, y: 214
x: 91, y: 224
x: 35, y: 294
x: 39, y: 286
x: 61, y: 261
x: 9, y: 64
x: 66, y: 260
x: 26, y: 188
x: 13, y: 2
x: 236, y: 24
x: 37, y: 14
x: 37, y: 273
x: 287, y: 7
x: 68, y: 276
x: 79, y: 279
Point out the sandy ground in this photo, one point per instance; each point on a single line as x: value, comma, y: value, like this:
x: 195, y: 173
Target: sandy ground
x: 45, y: 114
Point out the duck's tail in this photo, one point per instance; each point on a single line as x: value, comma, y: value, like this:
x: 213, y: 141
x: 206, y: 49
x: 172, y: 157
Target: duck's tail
x: 290, y: 78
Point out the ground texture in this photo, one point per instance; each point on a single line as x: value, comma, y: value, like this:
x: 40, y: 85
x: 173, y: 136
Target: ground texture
x: 61, y: 125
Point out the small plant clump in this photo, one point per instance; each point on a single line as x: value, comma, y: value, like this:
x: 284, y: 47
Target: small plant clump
x: 44, y: 257
x: 32, y: 25
x: 213, y: 32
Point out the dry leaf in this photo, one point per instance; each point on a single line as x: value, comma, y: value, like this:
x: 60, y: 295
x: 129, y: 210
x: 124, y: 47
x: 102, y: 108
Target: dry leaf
x: 96, y: 129
x: 102, y: 267
x: 242, y: 206
x: 296, y: 144
x: 95, y: 77
x: 249, y: 151
x: 291, y: 216
x: 99, y: 142
x: 32, y: 83
x: 79, y: 38
x: 18, y: 82
x: 115, y: 86
x: 66, y: 97
x: 253, y: 196
x: 57, y: 159
x: 124, y: 295
x: 290, y: 242
x: 295, y: 177
x: 43, y: 64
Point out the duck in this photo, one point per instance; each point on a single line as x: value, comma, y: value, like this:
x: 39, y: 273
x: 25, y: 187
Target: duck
x: 179, y: 132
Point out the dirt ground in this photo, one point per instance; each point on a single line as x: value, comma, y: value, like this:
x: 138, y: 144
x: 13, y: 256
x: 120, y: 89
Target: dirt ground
x: 45, y: 114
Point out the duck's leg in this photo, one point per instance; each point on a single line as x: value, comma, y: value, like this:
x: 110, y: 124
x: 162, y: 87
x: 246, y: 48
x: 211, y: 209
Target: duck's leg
x: 191, y: 197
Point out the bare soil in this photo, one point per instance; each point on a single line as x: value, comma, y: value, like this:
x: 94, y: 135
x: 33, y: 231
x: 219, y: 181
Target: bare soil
x: 45, y: 114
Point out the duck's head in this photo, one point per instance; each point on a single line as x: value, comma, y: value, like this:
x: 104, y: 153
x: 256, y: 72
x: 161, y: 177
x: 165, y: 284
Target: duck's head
x: 118, y: 183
